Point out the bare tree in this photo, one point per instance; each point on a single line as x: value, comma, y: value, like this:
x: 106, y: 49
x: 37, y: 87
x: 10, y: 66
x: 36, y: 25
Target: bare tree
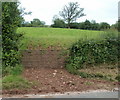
x: 71, y: 12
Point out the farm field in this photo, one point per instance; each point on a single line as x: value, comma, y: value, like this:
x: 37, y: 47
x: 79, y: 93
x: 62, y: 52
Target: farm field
x: 35, y: 37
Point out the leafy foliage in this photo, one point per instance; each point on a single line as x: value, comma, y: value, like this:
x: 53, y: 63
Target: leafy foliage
x: 93, y: 52
x: 11, y: 19
x: 89, y: 25
x: 36, y: 22
x: 104, y: 25
x: 58, y: 23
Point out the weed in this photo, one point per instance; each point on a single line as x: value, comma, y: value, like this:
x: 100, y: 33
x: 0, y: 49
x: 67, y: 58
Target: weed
x: 17, y: 70
x: 89, y: 83
x: 118, y: 78
x: 15, y: 82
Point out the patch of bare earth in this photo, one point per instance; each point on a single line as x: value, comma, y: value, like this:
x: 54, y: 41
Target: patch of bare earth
x: 55, y: 78
x: 49, y: 80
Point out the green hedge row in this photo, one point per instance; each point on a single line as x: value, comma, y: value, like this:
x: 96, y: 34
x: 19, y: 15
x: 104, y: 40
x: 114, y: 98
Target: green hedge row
x: 93, y: 52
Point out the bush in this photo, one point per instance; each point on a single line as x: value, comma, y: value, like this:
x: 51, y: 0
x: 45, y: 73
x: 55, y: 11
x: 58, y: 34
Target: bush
x: 93, y: 52
x: 11, y: 19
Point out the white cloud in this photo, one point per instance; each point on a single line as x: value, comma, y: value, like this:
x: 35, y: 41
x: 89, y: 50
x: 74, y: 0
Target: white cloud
x: 99, y: 10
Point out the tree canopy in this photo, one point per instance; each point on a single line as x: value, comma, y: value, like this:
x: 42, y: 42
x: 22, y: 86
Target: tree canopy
x: 71, y: 12
x: 58, y: 23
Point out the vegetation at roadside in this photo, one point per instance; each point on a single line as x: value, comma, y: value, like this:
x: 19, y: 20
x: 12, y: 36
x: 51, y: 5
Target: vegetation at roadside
x: 15, y: 82
x: 93, y: 52
x: 11, y: 19
x: 11, y: 68
x: 118, y: 78
x: 109, y: 71
x: 17, y: 70
x: 13, y: 79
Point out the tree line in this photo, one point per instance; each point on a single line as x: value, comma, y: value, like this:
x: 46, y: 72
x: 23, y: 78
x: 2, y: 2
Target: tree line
x: 35, y: 23
x: 59, y: 23
x: 67, y: 19
x: 87, y: 25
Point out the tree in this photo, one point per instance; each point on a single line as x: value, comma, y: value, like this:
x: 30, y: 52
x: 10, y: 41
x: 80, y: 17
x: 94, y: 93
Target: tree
x: 71, y: 12
x: 26, y: 24
x: 36, y: 22
x: 42, y: 23
x: 58, y: 23
x: 75, y: 25
x: 94, y: 25
x: 104, y: 25
x: 87, y: 25
x: 11, y: 19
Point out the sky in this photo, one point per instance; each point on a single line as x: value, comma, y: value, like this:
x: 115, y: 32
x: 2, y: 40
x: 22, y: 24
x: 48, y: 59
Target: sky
x: 98, y: 10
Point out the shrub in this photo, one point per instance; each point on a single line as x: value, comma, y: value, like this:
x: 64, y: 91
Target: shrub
x: 11, y: 19
x: 86, y: 52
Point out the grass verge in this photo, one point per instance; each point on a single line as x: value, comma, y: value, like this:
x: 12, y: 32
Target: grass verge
x: 12, y: 78
x: 15, y: 82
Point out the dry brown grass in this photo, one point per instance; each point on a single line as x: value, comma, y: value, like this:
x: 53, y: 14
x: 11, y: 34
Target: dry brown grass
x: 104, y: 69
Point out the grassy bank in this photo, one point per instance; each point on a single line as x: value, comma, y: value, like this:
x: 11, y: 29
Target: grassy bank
x: 44, y: 37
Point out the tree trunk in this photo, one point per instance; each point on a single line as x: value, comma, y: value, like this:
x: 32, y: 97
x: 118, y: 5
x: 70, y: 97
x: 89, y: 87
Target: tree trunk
x: 69, y: 24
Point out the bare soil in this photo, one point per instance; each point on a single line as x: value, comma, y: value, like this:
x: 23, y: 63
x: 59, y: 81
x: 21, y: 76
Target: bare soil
x: 49, y: 80
x: 49, y: 76
x: 48, y: 58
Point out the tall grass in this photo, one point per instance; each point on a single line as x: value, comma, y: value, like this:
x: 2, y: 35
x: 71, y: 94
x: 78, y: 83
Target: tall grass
x: 54, y: 36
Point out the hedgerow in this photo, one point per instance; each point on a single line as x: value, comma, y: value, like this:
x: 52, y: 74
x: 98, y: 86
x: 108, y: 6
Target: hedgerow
x: 93, y: 52
x: 11, y: 19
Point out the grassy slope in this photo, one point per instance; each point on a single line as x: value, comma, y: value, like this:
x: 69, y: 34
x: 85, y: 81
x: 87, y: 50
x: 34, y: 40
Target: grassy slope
x: 54, y: 36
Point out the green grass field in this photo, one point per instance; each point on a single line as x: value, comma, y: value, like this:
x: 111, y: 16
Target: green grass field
x: 57, y: 37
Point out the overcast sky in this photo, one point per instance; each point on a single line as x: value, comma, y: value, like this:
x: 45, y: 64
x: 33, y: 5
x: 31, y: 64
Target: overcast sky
x: 99, y: 10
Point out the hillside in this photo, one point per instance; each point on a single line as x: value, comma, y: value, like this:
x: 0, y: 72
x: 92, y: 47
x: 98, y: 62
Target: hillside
x: 46, y: 37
